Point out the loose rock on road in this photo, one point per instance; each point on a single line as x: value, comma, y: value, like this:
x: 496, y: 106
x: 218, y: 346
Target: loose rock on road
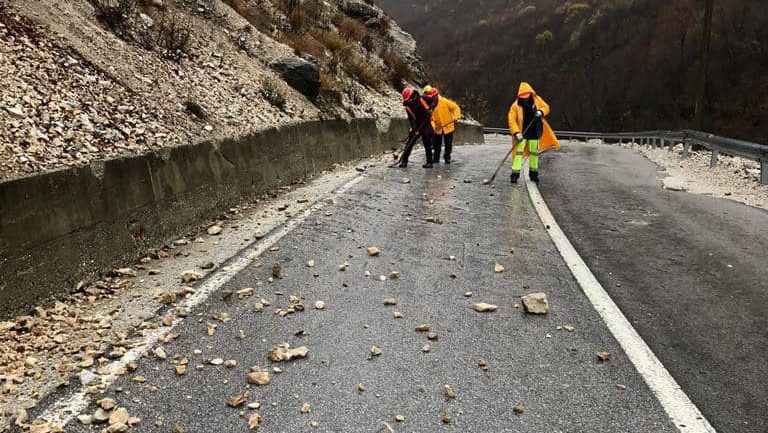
x: 400, y: 323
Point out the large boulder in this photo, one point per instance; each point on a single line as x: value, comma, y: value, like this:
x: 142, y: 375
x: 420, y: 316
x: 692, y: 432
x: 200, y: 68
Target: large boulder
x: 359, y: 9
x: 300, y: 74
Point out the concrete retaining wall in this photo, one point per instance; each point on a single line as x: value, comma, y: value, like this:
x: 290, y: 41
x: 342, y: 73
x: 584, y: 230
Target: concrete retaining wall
x: 61, y: 227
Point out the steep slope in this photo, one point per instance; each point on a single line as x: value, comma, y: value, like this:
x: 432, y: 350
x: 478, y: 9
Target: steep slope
x: 85, y: 80
x: 604, y: 65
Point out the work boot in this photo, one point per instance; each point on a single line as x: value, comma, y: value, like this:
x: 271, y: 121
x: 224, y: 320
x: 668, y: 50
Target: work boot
x: 514, y: 177
x: 448, y: 161
x: 427, y: 165
x: 403, y: 165
x: 534, y: 175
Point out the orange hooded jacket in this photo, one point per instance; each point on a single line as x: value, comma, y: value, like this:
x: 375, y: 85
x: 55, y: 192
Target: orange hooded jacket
x: 515, y: 118
x: 445, y: 115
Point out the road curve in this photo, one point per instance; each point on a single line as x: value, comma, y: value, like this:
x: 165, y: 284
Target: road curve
x: 443, y: 231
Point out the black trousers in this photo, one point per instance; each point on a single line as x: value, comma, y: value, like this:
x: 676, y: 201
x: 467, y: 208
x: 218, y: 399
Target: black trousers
x: 427, y: 140
x: 437, y: 142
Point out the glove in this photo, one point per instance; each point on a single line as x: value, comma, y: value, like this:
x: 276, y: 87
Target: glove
x: 518, y: 137
x: 539, y: 113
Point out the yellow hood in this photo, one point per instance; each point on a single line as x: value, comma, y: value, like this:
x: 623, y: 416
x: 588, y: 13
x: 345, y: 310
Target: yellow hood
x: 525, y: 88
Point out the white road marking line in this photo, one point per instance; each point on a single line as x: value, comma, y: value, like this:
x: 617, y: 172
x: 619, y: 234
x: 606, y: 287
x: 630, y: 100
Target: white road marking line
x: 63, y: 410
x: 681, y: 410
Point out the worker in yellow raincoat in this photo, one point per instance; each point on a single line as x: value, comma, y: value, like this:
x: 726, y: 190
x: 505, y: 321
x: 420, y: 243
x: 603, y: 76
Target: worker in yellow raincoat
x: 444, y: 117
x: 530, y: 130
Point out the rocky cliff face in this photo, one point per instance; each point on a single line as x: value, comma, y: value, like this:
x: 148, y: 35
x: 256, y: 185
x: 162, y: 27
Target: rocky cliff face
x: 85, y: 80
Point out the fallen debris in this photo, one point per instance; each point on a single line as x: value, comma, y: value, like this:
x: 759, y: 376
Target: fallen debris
x: 306, y: 408
x: 215, y: 230
x: 255, y: 421
x: 259, y: 377
x: 482, y: 307
x: 244, y: 293
x: 373, y: 251
x: 535, y: 303
x: 236, y: 400
x: 190, y: 276
x: 124, y: 272
x: 435, y: 220
x: 277, y: 270
x: 449, y: 392
x: 119, y: 416
x: 283, y: 353
x: 603, y: 356
x: 519, y: 408
x: 390, y: 301
x: 446, y: 418
x: 319, y: 305
x: 422, y: 327
x: 106, y: 403
x: 498, y: 268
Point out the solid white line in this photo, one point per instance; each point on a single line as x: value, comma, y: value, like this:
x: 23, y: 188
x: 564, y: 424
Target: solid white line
x: 63, y: 410
x: 681, y: 410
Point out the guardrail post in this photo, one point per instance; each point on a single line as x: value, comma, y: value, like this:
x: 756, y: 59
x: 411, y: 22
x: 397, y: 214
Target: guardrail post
x: 764, y: 170
x: 686, y: 147
x: 713, y: 160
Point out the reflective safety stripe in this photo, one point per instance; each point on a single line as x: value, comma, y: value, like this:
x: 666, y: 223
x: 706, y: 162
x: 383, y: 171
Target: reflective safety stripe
x: 533, y: 159
x: 533, y: 155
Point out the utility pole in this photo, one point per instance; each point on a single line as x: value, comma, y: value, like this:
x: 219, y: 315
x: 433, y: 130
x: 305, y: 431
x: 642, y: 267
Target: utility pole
x: 706, y: 38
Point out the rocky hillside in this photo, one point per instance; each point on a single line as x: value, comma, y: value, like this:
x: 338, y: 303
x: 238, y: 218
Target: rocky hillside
x: 604, y: 65
x: 83, y: 80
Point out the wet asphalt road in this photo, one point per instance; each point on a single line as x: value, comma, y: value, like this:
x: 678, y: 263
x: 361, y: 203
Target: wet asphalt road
x: 553, y: 373
x: 690, y: 272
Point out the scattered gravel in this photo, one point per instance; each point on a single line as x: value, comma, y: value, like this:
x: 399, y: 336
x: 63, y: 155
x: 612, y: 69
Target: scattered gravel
x: 733, y: 178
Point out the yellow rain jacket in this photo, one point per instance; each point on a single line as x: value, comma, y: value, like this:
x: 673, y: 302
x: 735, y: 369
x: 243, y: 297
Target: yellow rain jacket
x: 445, y: 115
x: 515, y: 118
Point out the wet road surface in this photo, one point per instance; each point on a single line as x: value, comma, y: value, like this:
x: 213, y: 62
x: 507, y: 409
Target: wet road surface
x: 443, y: 231
x: 689, y: 271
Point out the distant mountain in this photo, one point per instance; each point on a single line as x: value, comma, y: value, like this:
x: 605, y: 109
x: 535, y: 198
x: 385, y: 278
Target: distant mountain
x: 603, y: 65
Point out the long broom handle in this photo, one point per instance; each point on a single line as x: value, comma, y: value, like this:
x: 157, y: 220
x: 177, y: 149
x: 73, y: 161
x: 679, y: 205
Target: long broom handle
x: 501, y: 164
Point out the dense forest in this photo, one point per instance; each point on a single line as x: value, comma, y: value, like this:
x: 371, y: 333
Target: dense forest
x: 602, y: 64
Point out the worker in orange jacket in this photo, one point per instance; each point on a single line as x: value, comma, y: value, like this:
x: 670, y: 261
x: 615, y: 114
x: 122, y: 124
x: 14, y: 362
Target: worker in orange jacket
x: 444, y: 117
x: 530, y: 130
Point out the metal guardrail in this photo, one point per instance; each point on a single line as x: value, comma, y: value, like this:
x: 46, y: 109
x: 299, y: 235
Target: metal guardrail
x: 714, y: 143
